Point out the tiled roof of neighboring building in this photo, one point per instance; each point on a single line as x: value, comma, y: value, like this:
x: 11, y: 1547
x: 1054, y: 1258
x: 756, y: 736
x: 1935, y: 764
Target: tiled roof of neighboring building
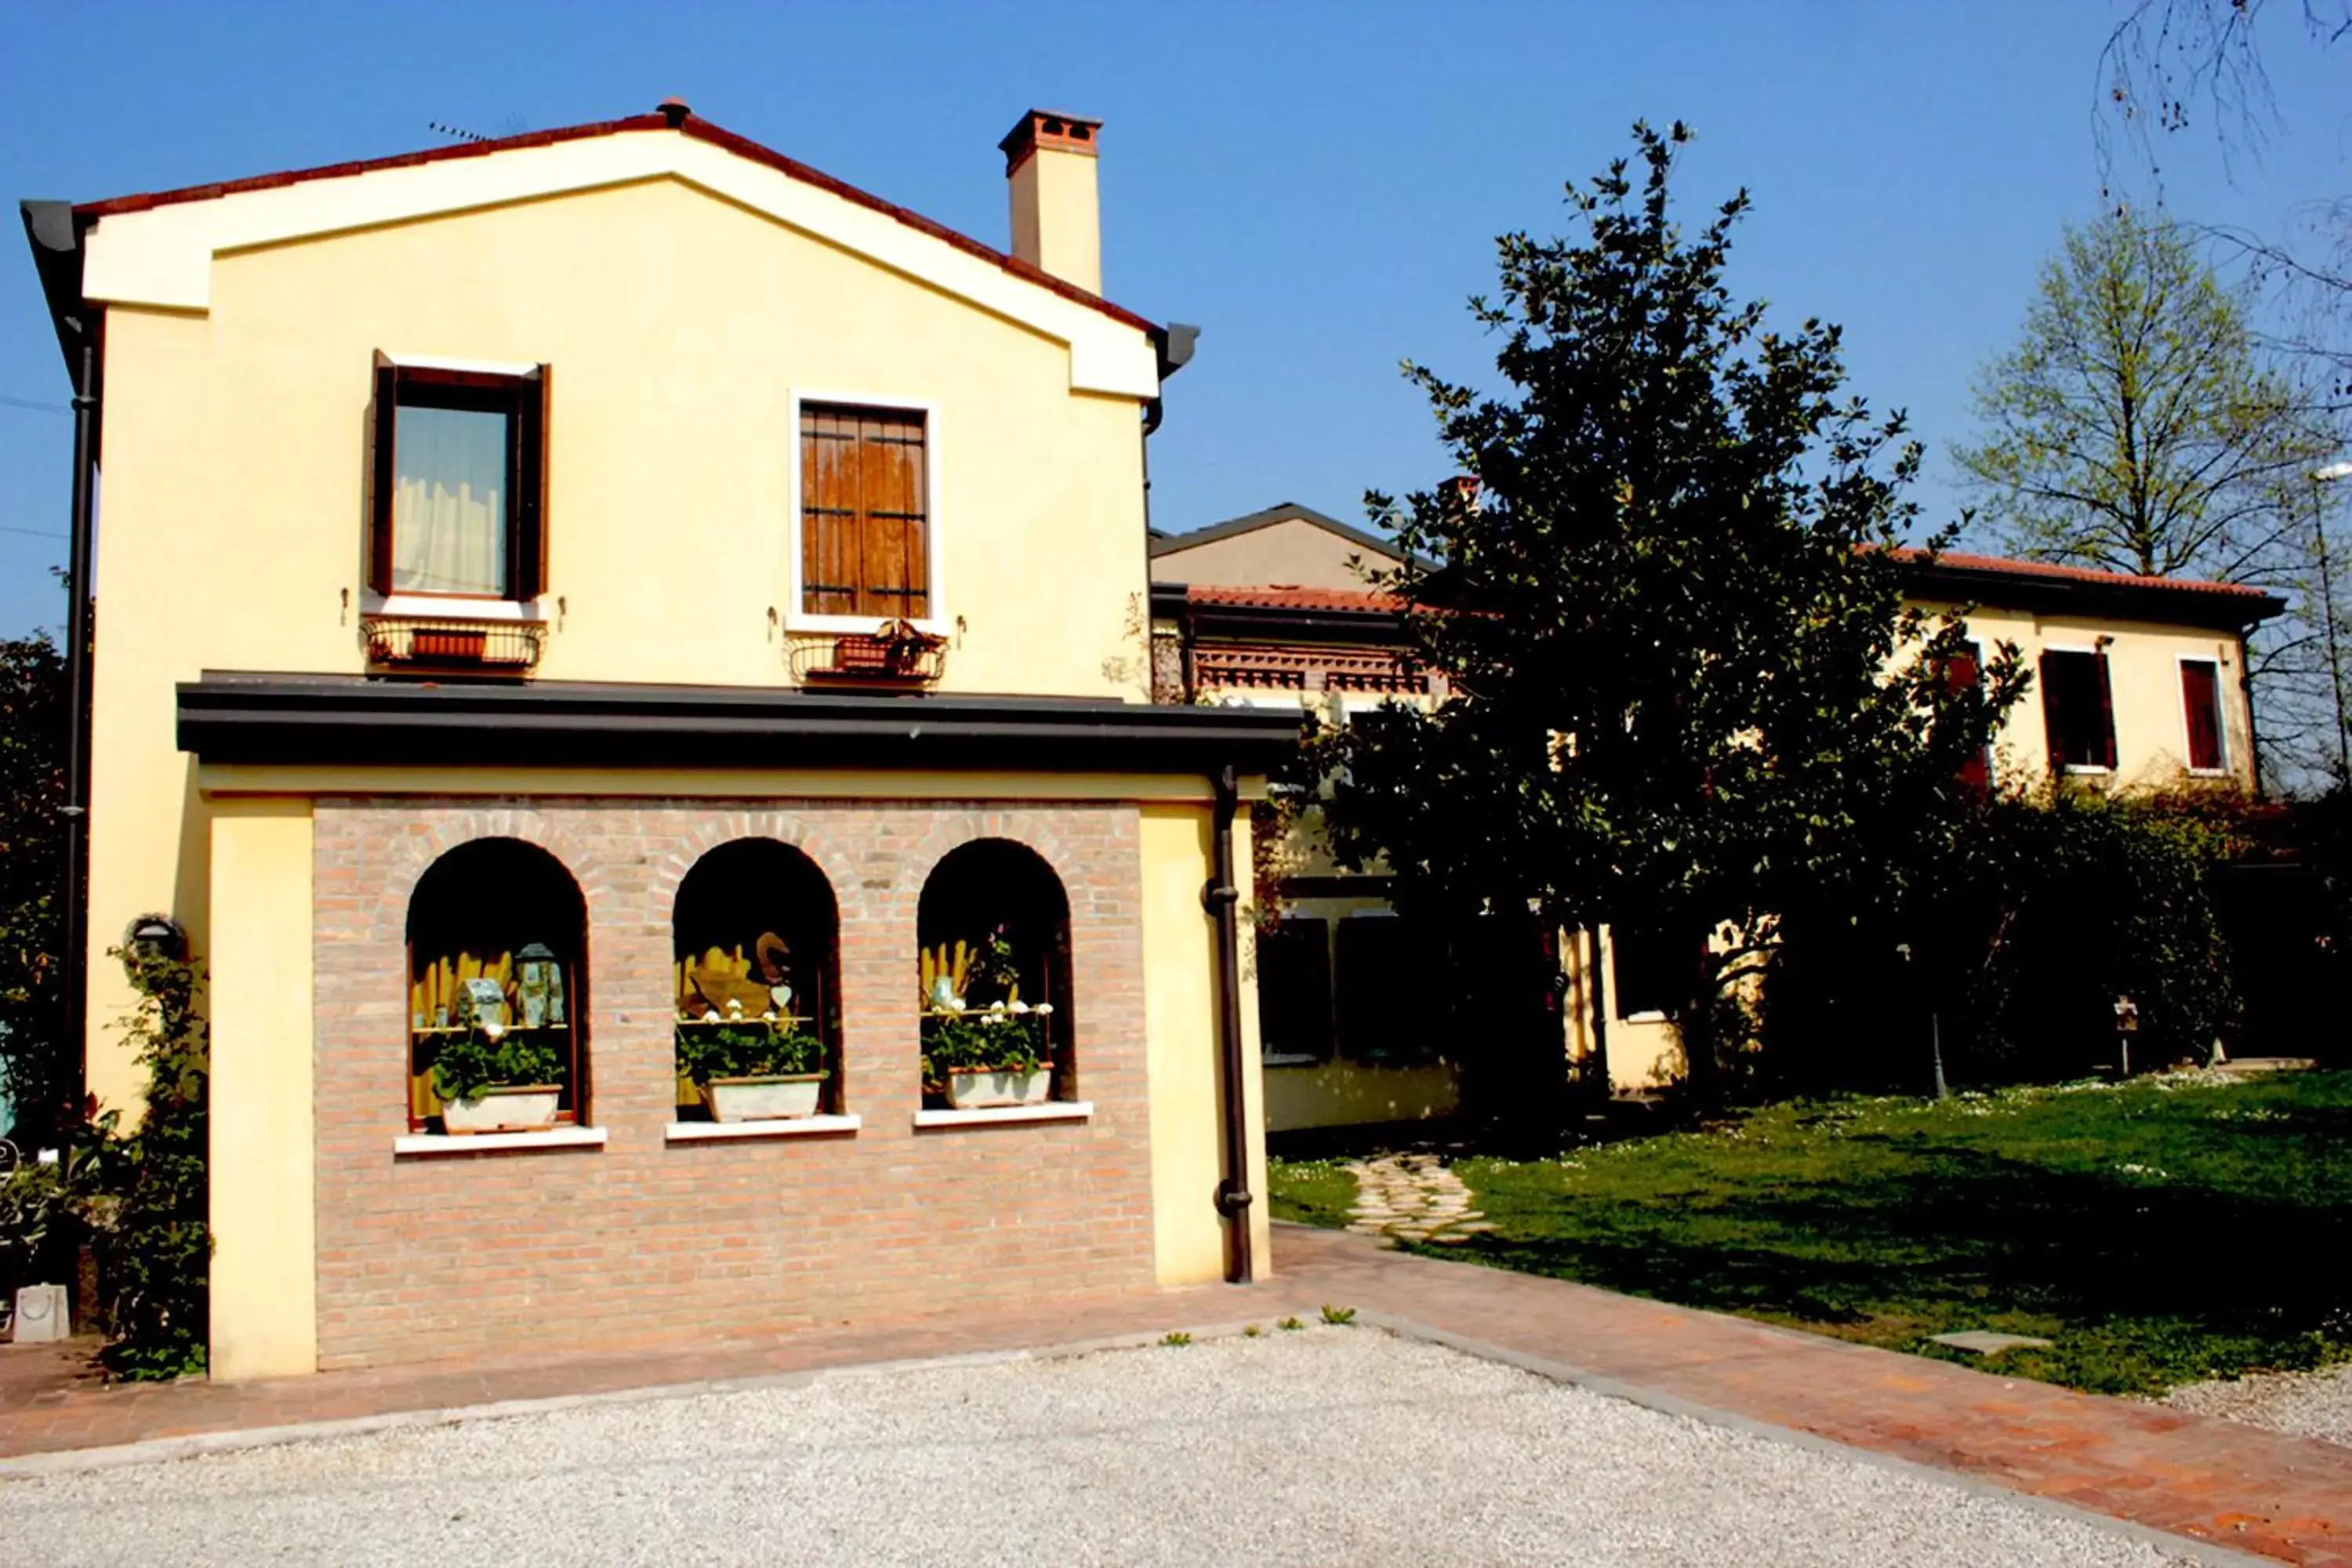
x: 2047, y: 571
x: 684, y: 125
x: 1277, y: 596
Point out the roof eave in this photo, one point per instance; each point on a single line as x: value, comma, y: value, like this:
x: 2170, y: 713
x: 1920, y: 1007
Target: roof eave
x: 55, y: 230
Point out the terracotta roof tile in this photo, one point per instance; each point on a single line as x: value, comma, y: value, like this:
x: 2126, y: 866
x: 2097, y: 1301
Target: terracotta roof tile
x: 2045, y: 571
x: 1280, y: 596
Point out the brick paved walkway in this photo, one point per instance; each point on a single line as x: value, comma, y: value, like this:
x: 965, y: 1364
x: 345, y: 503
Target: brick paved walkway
x: 2237, y: 1486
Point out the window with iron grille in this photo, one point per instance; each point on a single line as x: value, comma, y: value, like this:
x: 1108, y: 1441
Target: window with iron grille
x: 864, y: 512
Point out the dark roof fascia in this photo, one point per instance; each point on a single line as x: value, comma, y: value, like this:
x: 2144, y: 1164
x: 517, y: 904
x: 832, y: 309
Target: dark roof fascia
x: 1277, y: 623
x: 55, y: 233
x: 296, y: 720
x: 2126, y: 599
x: 1286, y: 512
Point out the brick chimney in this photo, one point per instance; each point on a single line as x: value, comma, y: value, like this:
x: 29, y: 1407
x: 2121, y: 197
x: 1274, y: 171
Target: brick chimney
x: 1049, y: 168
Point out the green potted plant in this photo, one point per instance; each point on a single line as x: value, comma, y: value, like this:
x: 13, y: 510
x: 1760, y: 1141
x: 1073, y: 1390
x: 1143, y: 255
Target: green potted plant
x: 492, y: 1079
x: 752, y: 1070
x: 990, y: 1056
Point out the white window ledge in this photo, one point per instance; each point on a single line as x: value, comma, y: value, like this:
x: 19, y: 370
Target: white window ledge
x: 782, y: 1127
x: 450, y: 607
x: 496, y: 1142
x: 1290, y: 1059
x: 1052, y: 1111
x: 1653, y: 1016
x: 2208, y: 772
x: 2088, y: 770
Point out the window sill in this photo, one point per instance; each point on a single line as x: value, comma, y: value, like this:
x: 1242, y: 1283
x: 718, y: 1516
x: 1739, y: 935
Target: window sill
x: 1290, y: 1059
x: 2086, y: 770
x: 2208, y: 772
x: 450, y: 607
x: 996, y: 1115
x: 794, y: 1127
x: 863, y: 626
x: 432, y: 1143
x: 1651, y: 1017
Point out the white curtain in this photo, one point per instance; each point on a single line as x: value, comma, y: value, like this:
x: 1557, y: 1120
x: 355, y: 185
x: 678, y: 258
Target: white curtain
x: 449, y: 516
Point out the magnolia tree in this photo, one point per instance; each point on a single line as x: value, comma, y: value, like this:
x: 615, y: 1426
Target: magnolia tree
x: 1688, y: 698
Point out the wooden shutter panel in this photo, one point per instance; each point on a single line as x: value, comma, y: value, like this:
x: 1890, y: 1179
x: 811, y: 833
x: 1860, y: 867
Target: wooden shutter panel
x: 2200, y: 699
x: 2053, y: 711
x: 2107, y: 715
x: 526, y: 573
x: 382, y: 477
x: 1962, y: 672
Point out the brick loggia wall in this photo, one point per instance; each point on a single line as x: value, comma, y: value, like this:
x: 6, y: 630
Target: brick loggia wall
x: 419, y: 1257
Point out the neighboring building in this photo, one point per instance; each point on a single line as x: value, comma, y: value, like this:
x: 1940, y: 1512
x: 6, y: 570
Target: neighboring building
x: 604, y: 577
x: 2139, y: 682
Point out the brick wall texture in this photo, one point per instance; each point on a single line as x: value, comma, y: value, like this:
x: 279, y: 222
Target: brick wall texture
x: 643, y: 1239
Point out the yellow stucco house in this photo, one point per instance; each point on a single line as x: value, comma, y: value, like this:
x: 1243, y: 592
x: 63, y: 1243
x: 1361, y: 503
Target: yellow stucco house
x: 614, y: 601
x: 2138, y: 683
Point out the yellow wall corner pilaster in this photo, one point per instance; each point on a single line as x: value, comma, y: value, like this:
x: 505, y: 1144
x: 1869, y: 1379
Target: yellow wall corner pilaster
x: 264, y: 1273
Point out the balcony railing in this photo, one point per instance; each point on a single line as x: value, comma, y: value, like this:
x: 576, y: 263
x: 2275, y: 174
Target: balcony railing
x: 452, y: 645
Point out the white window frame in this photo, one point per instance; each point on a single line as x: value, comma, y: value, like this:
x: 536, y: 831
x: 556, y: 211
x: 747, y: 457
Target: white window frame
x: 2221, y: 716
x: 2084, y: 770
x: 937, y: 623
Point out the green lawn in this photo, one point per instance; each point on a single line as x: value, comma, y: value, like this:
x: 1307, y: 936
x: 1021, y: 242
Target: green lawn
x: 2162, y: 1232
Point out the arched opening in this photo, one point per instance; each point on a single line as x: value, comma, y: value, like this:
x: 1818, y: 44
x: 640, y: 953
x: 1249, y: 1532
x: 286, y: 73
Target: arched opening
x: 993, y: 973
x: 756, y: 978
x: 498, y: 980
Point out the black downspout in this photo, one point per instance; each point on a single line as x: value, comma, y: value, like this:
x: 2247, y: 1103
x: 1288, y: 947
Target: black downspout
x: 1224, y: 899
x: 78, y: 687
x: 1600, y: 1088
x: 2246, y: 688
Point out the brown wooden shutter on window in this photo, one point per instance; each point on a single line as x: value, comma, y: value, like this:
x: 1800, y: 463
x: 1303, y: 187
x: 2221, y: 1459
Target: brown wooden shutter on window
x: 2201, y: 698
x: 526, y: 543
x: 2054, y: 709
x: 1963, y: 672
x: 865, y: 513
x: 2107, y: 715
x: 380, y: 473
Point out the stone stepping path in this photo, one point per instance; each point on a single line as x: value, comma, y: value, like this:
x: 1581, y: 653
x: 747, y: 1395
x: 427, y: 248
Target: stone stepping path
x: 1412, y: 1197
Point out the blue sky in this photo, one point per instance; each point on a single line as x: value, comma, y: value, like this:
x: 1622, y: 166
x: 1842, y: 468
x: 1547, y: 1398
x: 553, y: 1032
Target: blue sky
x: 1317, y: 185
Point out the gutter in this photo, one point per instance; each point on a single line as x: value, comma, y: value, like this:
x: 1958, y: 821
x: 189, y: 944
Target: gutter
x: 55, y: 236
x: 2246, y: 689
x: 1222, y: 897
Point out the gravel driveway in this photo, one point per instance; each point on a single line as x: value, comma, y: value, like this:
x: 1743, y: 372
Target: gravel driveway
x: 1333, y: 1445
x: 2306, y: 1404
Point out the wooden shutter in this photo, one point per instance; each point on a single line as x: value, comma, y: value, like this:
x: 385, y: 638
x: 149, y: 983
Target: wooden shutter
x: 865, y: 513
x: 382, y: 474
x: 527, y: 535
x: 2054, y: 709
x: 1963, y: 672
x: 2107, y: 715
x: 2201, y: 698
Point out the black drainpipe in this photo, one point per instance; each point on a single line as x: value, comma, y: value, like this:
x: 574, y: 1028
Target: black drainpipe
x: 77, y: 687
x: 2246, y: 688
x: 1224, y: 899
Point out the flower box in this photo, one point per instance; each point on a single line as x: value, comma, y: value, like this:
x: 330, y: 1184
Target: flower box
x: 517, y: 1108
x: 976, y: 1088
x: 780, y: 1097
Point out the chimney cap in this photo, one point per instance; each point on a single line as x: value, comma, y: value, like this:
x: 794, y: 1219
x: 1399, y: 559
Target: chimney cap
x: 1049, y: 128
x: 673, y: 110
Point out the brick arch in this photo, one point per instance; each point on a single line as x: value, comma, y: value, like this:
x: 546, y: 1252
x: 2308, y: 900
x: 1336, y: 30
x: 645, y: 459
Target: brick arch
x: 951, y: 833
x: 423, y: 845
x: 669, y: 871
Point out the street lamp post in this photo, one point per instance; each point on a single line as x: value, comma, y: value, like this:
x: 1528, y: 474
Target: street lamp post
x: 2329, y: 475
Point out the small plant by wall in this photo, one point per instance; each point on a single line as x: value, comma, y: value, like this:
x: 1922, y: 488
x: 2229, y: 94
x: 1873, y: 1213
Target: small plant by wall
x: 153, y: 1243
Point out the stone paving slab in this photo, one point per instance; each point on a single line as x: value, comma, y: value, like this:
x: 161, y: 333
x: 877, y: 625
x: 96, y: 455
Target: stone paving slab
x: 2211, y: 1480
